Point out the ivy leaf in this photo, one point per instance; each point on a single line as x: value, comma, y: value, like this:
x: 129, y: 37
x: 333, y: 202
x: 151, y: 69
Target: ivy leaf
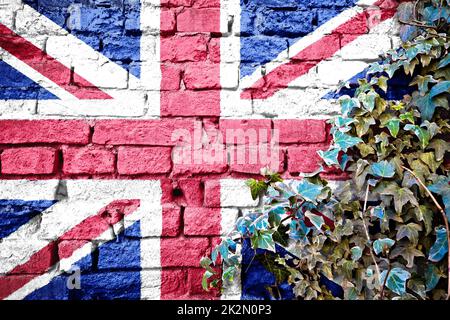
x: 377, y: 212
x: 263, y: 240
x: 410, y: 231
x: 363, y: 125
x: 356, y: 253
x: 440, y: 148
x: 440, y: 248
x: 382, y: 83
x: 205, y: 278
x: 409, y: 116
x: 348, y: 104
x: 408, y: 252
x: 229, y: 273
x: 430, y: 161
x: 205, y: 263
x: 256, y: 187
x: 383, y: 169
x: 309, y: 191
x: 382, y: 245
x: 426, y: 104
x: 394, y: 127
x: 442, y: 187
x: 345, y: 141
x: 368, y: 100
x: 401, y: 195
x: 431, y: 277
x: 316, y: 220
x: 298, y: 230
x: 423, y: 134
x: 330, y: 157
x: 396, y: 280
x: 444, y: 61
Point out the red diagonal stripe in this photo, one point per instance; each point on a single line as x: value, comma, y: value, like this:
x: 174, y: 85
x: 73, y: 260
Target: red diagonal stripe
x: 280, y: 77
x: 46, y: 65
x: 88, y: 229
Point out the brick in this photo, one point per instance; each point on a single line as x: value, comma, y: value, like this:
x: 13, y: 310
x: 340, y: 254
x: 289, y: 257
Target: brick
x: 322, y: 50
x: 176, y: 3
x: 301, y: 131
x: 192, y: 169
x: 199, y: 20
x: 235, y: 193
x: 202, y: 221
x: 170, y: 77
x: 214, y: 50
x: 192, y: 191
x: 246, y: 131
x: 88, y: 160
x: 285, y: 23
x: 183, y: 252
x: 206, y: 4
x: 173, y: 283
x: 168, y: 21
x: 138, y: 160
x: 44, y: 131
x: 184, y: 48
x: 28, y: 161
x: 202, y: 76
x: 212, y: 193
x: 140, y: 132
x: 190, y: 103
x: 304, y: 159
x: 251, y: 159
x: 172, y: 220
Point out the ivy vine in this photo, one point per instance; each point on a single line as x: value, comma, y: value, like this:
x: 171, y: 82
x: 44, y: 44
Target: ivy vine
x: 383, y: 234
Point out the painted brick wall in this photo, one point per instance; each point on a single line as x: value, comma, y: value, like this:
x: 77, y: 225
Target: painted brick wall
x: 200, y: 76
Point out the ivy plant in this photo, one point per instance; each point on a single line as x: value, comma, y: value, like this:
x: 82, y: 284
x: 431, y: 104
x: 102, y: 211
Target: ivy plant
x: 383, y: 234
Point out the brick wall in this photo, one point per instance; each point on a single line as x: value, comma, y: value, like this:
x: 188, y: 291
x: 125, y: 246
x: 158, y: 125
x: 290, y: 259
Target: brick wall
x: 198, y: 88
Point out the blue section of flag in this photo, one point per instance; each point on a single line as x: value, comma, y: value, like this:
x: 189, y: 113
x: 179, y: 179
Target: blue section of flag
x: 111, y: 27
x: 255, y: 278
x: 110, y: 272
x: 15, y: 213
x: 269, y: 27
x: 16, y: 86
x: 398, y: 86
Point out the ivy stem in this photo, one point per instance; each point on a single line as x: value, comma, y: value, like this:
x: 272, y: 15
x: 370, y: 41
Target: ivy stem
x: 366, y: 229
x: 384, y: 283
x: 441, y: 210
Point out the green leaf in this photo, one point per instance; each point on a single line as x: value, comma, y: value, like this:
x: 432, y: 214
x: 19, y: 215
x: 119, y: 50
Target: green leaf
x: 316, y: 220
x: 382, y: 245
x: 348, y: 104
x: 345, y: 141
x: 263, y: 240
x: 407, y: 116
x: 368, y: 100
x: 444, y: 61
x: 423, y: 134
x: 382, y: 83
x: 205, y: 263
x: 442, y: 187
x: 394, y: 127
x: 432, y: 277
x: 309, y: 191
x: 205, y: 278
x: 396, y: 280
x: 363, y: 125
x: 441, y: 147
x: 408, y: 253
x: 401, y: 195
x: 356, y: 253
x: 330, y: 157
x: 410, y: 231
x: 426, y: 103
x: 229, y: 273
x: 256, y: 187
x: 430, y: 161
x: 440, y: 248
x: 383, y: 169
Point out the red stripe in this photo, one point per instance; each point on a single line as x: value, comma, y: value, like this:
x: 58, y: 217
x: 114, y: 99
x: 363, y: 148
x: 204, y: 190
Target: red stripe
x: 280, y: 77
x: 47, y: 66
x: 88, y: 229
